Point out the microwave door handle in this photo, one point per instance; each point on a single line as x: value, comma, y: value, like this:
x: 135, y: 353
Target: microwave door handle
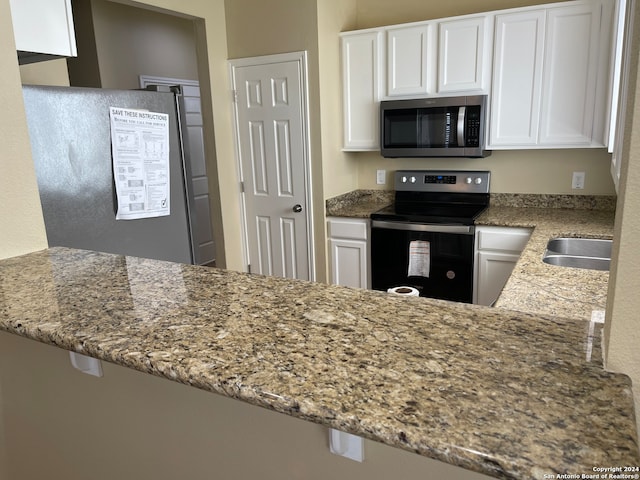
x: 462, y: 121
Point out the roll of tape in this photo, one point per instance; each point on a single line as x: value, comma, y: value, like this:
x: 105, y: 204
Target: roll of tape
x: 405, y: 291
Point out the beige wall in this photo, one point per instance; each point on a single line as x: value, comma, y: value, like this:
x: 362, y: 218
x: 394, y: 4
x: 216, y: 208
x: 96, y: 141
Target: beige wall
x: 147, y: 43
x: 376, y: 13
x: 52, y: 72
x: 65, y: 425
x: 211, y: 47
x: 542, y: 171
x: 340, y: 170
x: 132, y: 42
x: 528, y: 171
x: 622, y: 333
x: 256, y: 28
x: 23, y: 229
x: 22, y: 226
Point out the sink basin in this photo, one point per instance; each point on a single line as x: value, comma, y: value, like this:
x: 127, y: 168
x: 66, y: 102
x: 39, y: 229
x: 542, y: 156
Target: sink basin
x: 591, y: 263
x: 583, y: 247
x: 589, y: 253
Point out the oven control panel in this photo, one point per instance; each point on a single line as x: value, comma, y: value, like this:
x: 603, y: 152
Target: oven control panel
x: 463, y: 181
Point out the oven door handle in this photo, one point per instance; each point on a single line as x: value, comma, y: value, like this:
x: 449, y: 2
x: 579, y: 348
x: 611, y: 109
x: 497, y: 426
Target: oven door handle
x: 421, y: 227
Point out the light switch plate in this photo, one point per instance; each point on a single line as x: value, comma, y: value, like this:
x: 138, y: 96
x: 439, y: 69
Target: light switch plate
x: 381, y: 177
x: 578, y: 180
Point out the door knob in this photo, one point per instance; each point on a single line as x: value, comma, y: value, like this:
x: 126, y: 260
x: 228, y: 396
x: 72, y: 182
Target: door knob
x: 297, y: 208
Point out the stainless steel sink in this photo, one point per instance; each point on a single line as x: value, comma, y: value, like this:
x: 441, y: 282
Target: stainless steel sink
x: 590, y: 253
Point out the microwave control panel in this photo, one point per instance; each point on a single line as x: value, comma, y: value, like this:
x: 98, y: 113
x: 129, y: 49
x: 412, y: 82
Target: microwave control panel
x: 472, y: 137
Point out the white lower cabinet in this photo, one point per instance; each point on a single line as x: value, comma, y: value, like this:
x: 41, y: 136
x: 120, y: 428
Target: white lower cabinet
x: 497, y: 250
x: 349, y: 251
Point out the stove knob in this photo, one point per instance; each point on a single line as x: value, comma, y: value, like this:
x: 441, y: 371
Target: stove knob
x: 404, y: 180
x: 412, y: 179
x: 468, y: 180
x: 478, y: 181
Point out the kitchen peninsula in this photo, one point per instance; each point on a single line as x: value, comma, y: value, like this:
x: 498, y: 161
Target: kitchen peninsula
x: 506, y: 394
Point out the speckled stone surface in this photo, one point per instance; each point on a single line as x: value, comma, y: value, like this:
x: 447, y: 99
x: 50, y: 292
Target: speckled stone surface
x: 503, y: 393
x: 582, y: 202
x: 536, y: 287
x: 359, y: 203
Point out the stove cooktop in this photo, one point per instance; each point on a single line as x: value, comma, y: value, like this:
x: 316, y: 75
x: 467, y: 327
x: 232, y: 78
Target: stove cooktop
x: 437, y: 197
x: 441, y: 214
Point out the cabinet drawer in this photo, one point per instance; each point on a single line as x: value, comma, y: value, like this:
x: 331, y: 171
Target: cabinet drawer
x: 348, y: 228
x: 497, y: 238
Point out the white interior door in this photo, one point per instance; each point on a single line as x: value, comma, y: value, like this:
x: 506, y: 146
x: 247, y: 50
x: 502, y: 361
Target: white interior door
x: 272, y: 146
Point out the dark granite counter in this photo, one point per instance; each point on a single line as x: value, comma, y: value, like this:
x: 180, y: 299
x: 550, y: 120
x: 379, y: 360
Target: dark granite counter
x: 507, y: 394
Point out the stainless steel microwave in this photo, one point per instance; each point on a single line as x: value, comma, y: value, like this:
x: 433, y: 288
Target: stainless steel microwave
x: 434, y: 127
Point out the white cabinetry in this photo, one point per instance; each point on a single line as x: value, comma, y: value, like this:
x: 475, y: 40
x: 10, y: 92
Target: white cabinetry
x: 423, y: 59
x: 464, y: 55
x: 43, y: 27
x: 410, y: 66
x: 349, y: 252
x: 517, y: 78
x: 361, y: 75
x: 496, y: 253
x: 569, y: 75
x: 550, y: 76
x: 439, y: 57
x: 547, y: 69
x: 620, y: 84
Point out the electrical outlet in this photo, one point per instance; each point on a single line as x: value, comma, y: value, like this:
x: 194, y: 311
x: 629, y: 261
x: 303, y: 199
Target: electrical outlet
x: 578, y: 180
x: 381, y: 177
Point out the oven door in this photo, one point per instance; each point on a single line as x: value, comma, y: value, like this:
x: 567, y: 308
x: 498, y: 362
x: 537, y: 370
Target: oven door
x: 437, y: 260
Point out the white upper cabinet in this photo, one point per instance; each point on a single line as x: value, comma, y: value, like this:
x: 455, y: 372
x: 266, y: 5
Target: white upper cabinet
x: 43, y: 27
x: 569, y: 75
x: 410, y: 68
x: 546, y: 68
x: 517, y: 78
x: 361, y: 63
x: 551, y: 76
x: 441, y: 57
x: 464, y: 55
x: 619, y: 98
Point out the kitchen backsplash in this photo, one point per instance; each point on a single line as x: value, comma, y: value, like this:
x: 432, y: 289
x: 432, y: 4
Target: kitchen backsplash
x: 581, y: 202
x: 360, y: 203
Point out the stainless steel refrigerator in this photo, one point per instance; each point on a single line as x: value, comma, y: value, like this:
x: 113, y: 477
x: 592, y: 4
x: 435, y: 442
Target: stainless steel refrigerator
x: 70, y: 134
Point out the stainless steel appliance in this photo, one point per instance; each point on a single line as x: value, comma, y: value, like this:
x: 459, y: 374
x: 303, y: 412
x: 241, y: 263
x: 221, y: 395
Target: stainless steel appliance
x: 434, y: 127
x: 70, y: 135
x: 425, y: 239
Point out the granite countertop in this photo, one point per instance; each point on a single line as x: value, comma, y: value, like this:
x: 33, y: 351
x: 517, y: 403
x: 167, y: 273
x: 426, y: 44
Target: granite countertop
x: 534, y: 287
x: 359, y: 203
x: 499, y: 392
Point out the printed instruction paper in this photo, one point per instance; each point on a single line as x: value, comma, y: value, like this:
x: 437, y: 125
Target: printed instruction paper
x: 140, y: 150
